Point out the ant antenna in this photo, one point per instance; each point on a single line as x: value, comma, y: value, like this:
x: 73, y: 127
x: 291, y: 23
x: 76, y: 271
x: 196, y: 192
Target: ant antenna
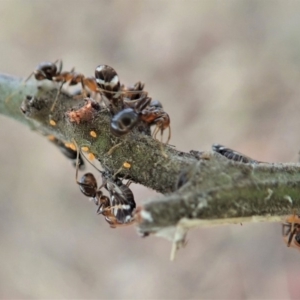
x: 24, y: 81
x: 56, y: 97
x: 77, y: 159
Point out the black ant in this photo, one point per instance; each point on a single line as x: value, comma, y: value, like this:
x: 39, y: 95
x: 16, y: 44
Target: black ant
x: 127, y: 118
x: 232, y: 154
x: 118, y: 208
x: 109, y: 85
x: 121, y: 197
x: 142, y: 110
x: 108, y: 82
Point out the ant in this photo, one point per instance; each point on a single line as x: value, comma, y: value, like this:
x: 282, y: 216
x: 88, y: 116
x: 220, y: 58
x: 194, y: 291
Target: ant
x: 291, y: 229
x: 146, y: 110
x: 109, y: 85
x: 121, y: 196
x: 155, y: 115
x: 53, y: 72
x: 118, y: 208
x: 108, y: 82
x: 127, y: 118
x: 232, y: 154
x: 88, y: 186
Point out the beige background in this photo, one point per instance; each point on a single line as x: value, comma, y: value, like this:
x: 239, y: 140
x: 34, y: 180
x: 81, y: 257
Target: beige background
x: 226, y: 72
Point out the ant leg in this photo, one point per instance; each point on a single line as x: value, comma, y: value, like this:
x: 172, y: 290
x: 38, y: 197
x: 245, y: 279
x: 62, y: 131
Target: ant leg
x: 56, y: 98
x: 125, y: 166
x: 77, y: 164
x: 161, y: 135
x: 24, y: 81
x: 169, y: 135
x: 99, y: 208
x: 84, y: 93
x: 291, y: 237
x: 163, y: 151
x: 155, y: 131
x: 154, y: 134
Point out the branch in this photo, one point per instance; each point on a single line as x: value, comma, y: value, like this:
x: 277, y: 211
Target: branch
x: 213, y: 189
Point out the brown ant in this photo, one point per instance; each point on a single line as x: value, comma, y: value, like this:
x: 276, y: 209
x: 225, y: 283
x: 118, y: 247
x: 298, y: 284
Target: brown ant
x: 118, y: 208
x: 53, y: 72
x: 158, y: 117
x: 142, y: 110
x: 291, y: 231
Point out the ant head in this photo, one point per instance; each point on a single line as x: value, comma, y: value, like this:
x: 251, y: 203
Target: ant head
x: 156, y: 104
x: 45, y: 70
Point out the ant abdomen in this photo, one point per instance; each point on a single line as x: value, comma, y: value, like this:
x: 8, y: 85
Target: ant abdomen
x: 107, y: 79
x: 124, y: 121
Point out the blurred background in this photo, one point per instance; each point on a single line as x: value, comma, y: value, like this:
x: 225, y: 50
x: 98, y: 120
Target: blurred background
x: 226, y: 72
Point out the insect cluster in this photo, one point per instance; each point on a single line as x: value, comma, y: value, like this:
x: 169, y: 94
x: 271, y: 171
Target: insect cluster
x: 118, y: 208
x: 129, y: 106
